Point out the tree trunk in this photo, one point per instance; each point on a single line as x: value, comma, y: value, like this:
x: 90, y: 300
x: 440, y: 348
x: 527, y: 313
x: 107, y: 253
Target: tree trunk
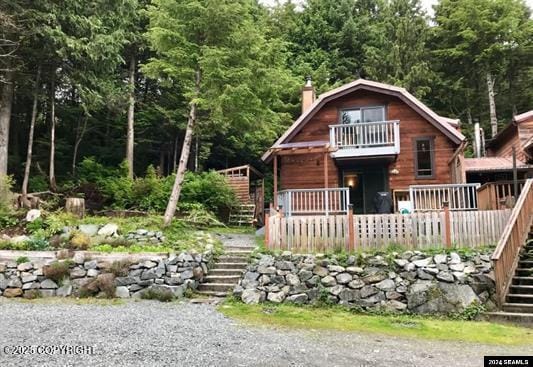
x: 6, y: 103
x: 75, y: 206
x: 52, y: 167
x: 184, y: 158
x: 29, y: 152
x: 175, y: 157
x: 80, y: 131
x: 131, y: 112
x: 196, y: 154
x: 492, y: 105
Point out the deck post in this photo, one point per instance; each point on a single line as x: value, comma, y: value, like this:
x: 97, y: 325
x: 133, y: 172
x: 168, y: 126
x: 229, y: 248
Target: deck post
x: 351, y: 229
x: 447, y: 224
x: 267, y: 229
x: 275, y: 181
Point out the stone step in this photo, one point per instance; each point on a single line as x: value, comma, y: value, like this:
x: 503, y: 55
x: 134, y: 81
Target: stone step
x: 212, y: 293
x: 216, y: 287
x: 240, y: 253
x: 239, y: 248
x: 526, y: 264
x: 226, y: 272
x: 520, y: 298
x: 514, y: 317
x: 524, y: 271
x: 225, y: 265
x: 518, y: 307
x: 227, y: 279
x: 522, y: 289
x: 523, y: 280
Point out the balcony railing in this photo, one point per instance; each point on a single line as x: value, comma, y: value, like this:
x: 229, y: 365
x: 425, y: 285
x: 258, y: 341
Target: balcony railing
x: 314, y: 201
x: 365, y: 139
x: 432, y: 197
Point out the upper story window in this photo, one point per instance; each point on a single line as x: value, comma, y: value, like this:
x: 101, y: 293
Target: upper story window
x: 424, y: 158
x: 363, y: 114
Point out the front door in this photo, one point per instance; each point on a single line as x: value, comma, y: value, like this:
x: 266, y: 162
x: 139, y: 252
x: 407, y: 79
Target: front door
x: 364, y: 183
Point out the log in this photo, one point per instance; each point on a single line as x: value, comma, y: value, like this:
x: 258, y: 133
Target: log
x: 75, y: 206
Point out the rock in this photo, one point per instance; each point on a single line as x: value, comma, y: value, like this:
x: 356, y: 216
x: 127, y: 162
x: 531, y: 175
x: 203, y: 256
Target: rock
x: 469, y: 269
x: 276, y: 297
x: 123, y: 281
x: 64, y: 291
x: 14, y: 283
x: 305, y: 275
x: 440, y: 259
x: 386, y: 285
x: 423, y: 262
x: 356, y: 284
x: 266, y: 260
x: 336, y: 289
x: 445, y: 276
x: 252, y: 296
x: 320, y: 271
x: 48, y: 284
x: 454, y: 258
x: 343, y: 278
x: 368, y: 291
x: 409, y: 267
x: 25, y: 266
x: 12, y: 292
x: 457, y: 267
x: 328, y: 281
x: 335, y: 268
x: 355, y: 270
x: 299, y: 299
x: 79, y: 257
x: 237, y: 291
x: 264, y: 279
x: 459, y: 276
x: 249, y: 284
x: 349, y: 295
x: 197, y: 273
x: 122, y: 292
x: 92, y: 273
x: 187, y: 274
x: 90, y: 264
x: 459, y: 295
x: 375, y: 278
x: 77, y: 273
x: 2, y: 267
x: 250, y: 275
x: 401, y: 262
x: 432, y: 271
x: 89, y: 229
x: 393, y: 295
x: 141, y: 232
x: 263, y: 269
x: 292, y: 279
x: 149, y: 264
x: 19, y: 239
x: 284, y: 265
x: 109, y: 230
x: 423, y: 275
x: 395, y: 305
x: 29, y: 278
x: 33, y: 214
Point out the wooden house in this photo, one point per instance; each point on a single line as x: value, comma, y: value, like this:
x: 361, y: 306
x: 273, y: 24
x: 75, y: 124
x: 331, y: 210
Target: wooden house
x: 360, y: 139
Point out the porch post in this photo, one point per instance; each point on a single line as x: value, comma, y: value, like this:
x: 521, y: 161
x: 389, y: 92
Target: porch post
x: 326, y: 170
x: 447, y: 225
x: 275, y: 182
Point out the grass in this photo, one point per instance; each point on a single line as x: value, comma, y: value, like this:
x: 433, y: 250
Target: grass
x: 335, y: 318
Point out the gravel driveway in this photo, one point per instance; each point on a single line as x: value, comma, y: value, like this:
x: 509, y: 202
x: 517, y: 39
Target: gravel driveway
x: 149, y: 333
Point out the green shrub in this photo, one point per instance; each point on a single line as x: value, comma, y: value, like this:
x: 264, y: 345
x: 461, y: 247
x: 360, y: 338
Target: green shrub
x: 36, y: 244
x: 38, y: 183
x: 208, y: 188
x: 22, y: 259
x: 36, y: 225
x: 57, y: 271
x: 7, y: 218
x: 120, y: 268
x: 79, y: 241
x: 157, y: 294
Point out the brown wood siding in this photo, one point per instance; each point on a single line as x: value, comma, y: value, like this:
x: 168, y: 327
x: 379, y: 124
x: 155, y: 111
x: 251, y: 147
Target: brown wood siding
x: 241, y: 187
x: 525, y: 131
x: 302, y: 171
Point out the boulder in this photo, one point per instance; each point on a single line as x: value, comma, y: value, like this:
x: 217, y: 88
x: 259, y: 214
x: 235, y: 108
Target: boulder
x: 19, y: 239
x: 77, y: 273
x: 122, y: 292
x: 394, y: 305
x: 328, y: 281
x: 320, y: 271
x: 64, y: 291
x: 79, y: 257
x: 284, y: 265
x: 292, y: 279
x: 336, y: 289
x: 423, y: 262
x: 356, y: 284
x: 305, y: 275
x: 109, y: 230
x: 354, y: 270
x: 421, y: 274
x: 14, y: 283
x: 368, y: 291
x: 454, y: 258
x: 349, y: 295
x: 33, y: 214
x: 299, y: 299
x: 92, y: 273
x: 386, y: 285
x: 343, y: 278
x: 263, y: 269
x: 29, y: 278
x: 440, y: 258
x: 186, y: 274
x: 12, y: 292
x: 250, y: 275
x: 252, y: 296
x: 276, y: 297
x: 90, y: 264
x: 336, y: 268
x: 89, y: 229
x: 48, y: 284
x: 401, y: 262
x: 457, y: 267
x: 375, y: 278
x: 25, y: 266
x: 445, y: 276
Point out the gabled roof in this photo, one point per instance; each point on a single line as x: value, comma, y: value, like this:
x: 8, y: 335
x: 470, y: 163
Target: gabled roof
x: 446, y: 125
x: 523, y: 116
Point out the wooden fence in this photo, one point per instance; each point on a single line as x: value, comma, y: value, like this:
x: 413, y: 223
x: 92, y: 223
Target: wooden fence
x: 418, y: 230
x: 498, y: 195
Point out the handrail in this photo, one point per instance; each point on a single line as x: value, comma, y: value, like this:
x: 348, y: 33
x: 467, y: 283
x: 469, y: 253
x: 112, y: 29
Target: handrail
x: 366, y: 123
x: 505, y: 256
x: 366, y: 135
x: 314, y: 201
x: 432, y: 197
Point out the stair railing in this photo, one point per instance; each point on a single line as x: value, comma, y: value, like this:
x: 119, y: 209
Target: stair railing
x: 514, y: 236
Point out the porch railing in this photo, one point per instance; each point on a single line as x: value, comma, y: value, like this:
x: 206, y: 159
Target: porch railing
x: 499, y: 194
x: 367, y: 138
x: 432, y: 197
x: 314, y: 201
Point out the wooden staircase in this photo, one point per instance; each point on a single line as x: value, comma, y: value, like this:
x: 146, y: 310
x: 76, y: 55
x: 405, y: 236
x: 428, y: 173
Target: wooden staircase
x: 242, y: 214
x: 513, y: 263
x: 227, y: 271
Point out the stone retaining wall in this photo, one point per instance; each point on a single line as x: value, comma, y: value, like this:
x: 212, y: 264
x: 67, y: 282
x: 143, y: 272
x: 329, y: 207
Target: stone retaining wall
x: 411, y: 281
x: 110, y: 275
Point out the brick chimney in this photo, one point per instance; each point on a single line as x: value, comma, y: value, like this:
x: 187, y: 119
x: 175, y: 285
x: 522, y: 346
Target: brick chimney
x: 308, y: 95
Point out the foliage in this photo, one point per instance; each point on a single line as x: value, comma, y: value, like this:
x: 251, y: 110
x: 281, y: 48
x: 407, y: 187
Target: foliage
x: 57, y: 271
x: 120, y: 267
x: 208, y: 188
x: 472, y: 312
x: 202, y: 218
x: 104, y: 283
x: 36, y: 244
x: 158, y: 294
x: 22, y: 259
x: 79, y: 241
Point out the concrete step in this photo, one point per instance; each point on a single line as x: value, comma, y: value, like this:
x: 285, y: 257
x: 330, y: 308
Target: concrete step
x: 524, y: 271
x: 523, y: 280
x: 216, y: 287
x: 240, y: 253
x: 237, y: 272
x: 525, y: 263
x: 518, y: 307
x: 521, y: 289
x: 525, y: 319
x: 239, y: 248
x: 232, y: 259
x: 234, y: 279
x: 226, y: 265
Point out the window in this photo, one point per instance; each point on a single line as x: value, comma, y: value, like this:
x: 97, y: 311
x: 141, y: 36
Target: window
x: 424, y: 165
x: 363, y: 114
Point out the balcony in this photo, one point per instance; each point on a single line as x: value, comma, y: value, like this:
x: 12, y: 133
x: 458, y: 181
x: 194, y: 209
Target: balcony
x: 314, y: 201
x: 365, y: 139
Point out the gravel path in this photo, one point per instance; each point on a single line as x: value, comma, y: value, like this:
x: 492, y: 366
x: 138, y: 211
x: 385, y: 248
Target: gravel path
x: 149, y: 333
x: 237, y: 240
